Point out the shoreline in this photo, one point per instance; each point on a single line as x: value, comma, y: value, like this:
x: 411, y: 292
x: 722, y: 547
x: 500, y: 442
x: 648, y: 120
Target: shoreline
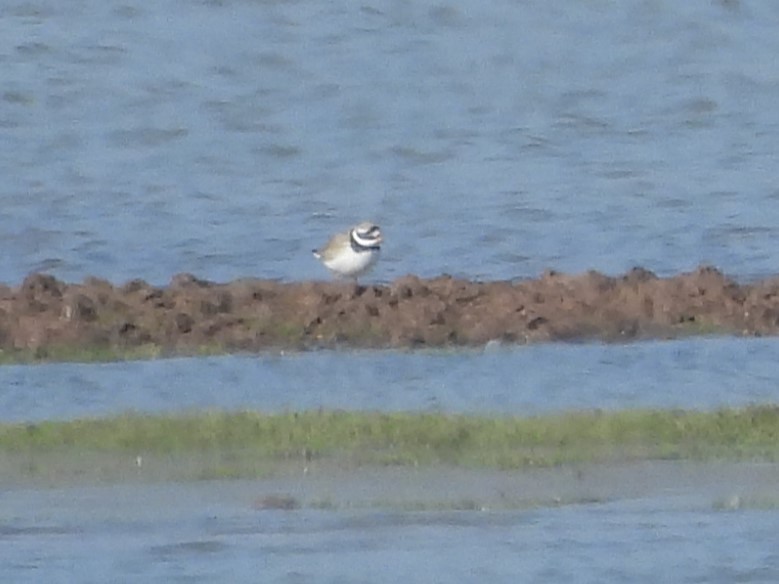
x: 717, y: 485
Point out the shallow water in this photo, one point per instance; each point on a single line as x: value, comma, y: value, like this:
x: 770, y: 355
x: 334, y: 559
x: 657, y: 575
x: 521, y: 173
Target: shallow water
x: 205, y: 532
x: 700, y: 373
x: 490, y: 140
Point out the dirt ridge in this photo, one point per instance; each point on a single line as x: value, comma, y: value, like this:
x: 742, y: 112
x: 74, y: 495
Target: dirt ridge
x: 253, y: 315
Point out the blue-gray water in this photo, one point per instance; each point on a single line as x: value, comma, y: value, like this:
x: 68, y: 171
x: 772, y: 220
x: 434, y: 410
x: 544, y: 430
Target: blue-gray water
x: 490, y: 140
x: 696, y: 373
x: 186, y: 533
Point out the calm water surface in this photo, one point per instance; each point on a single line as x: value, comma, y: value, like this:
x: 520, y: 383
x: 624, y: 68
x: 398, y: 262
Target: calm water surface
x: 185, y: 533
x: 695, y: 373
x: 490, y: 140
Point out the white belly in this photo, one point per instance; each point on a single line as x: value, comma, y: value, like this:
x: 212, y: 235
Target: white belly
x: 351, y: 263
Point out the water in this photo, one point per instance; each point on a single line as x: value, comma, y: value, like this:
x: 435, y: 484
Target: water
x: 691, y: 374
x: 490, y: 140
x: 188, y: 534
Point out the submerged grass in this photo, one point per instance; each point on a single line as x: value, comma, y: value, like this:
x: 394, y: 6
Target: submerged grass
x: 105, y: 354
x: 245, y: 441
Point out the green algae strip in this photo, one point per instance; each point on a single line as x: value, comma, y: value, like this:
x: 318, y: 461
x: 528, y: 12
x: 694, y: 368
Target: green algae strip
x: 243, y: 444
x: 104, y: 354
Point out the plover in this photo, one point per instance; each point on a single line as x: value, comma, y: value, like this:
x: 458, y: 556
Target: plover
x: 352, y: 253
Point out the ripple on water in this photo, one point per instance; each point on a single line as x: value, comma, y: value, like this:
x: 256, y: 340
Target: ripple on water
x: 521, y: 380
x: 618, y: 153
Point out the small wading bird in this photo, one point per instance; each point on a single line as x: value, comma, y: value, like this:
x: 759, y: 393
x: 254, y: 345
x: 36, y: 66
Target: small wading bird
x: 352, y: 253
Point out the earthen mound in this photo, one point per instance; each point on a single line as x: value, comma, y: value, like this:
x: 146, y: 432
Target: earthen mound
x: 190, y: 315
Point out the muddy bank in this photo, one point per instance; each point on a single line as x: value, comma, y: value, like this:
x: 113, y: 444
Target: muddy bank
x: 44, y: 315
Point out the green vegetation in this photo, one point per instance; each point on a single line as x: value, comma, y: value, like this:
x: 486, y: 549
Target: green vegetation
x: 254, y: 444
x: 105, y: 353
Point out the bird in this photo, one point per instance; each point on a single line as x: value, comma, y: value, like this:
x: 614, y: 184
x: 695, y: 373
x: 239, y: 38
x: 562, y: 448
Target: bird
x: 352, y: 253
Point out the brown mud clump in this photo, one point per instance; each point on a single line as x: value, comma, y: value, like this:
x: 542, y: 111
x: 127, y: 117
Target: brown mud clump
x: 45, y: 317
